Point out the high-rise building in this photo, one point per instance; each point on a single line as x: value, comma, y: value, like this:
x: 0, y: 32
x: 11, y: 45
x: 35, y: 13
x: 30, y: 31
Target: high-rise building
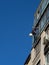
x: 39, y: 54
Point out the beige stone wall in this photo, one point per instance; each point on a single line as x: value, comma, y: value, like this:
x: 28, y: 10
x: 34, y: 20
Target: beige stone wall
x: 30, y: 62
x: 34, y: 58
x: 41, y: 55
x: 43, y: 60
x: 33, y: 54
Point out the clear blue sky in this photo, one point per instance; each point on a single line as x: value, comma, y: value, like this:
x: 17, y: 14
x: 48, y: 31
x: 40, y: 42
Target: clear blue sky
x: 16, y: 20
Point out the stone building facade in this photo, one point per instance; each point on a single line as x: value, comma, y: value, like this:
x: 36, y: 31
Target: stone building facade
x: 39, y: 54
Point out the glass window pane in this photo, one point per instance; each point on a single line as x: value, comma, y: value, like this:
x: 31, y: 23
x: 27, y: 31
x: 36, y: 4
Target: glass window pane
x: 47, y: 58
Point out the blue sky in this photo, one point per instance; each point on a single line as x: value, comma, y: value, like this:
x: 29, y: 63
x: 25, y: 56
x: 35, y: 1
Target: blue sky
x: 16, y: 20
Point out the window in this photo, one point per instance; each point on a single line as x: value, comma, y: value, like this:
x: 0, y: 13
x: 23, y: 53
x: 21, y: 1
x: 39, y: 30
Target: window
x: 38, y: 15
x: 47, y: 58
x: 44, y: 4
x: 47, y: 31
x: 37, y: 31
x: 38, y: 63
x: 48, y: 14
x: 43, y: 21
